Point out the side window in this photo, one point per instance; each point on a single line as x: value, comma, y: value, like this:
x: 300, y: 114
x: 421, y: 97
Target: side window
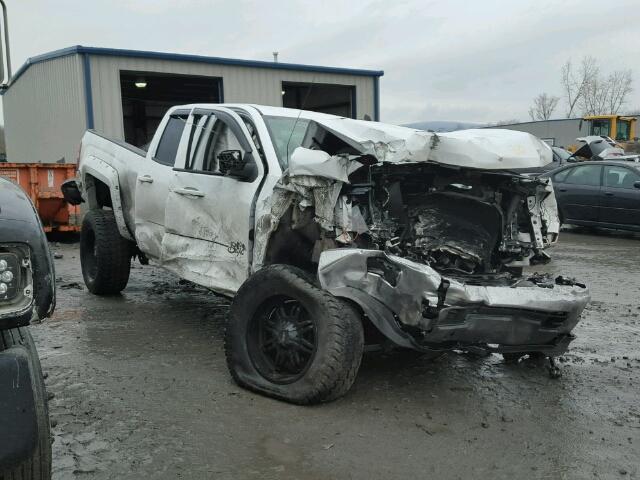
x: 560, y: 177
x: 585, y: 175
x: 168, y: 145
x: 216, y: 142
x: 619, y: 177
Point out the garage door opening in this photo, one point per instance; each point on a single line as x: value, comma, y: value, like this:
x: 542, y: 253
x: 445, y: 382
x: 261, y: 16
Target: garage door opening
x: 333, y: 99
x: 147, y: 96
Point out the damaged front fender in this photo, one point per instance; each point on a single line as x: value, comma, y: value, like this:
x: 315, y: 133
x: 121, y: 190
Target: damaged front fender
x: 416, y: 307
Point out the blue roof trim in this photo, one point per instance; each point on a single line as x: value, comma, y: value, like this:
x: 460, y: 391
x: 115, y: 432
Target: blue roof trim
x: 182, y: 57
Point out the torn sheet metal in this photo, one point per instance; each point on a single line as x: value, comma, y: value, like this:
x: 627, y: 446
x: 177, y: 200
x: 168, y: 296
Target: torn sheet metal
x: 307, y: 162
x: 305, y: 191
x: 418, y: 296
x: 489, y: 149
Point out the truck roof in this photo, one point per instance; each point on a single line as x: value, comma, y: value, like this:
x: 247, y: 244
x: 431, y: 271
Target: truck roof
x: 493, y: 149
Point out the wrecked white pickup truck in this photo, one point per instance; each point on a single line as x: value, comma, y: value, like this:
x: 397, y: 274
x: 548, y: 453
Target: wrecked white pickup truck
x: 331, y: 232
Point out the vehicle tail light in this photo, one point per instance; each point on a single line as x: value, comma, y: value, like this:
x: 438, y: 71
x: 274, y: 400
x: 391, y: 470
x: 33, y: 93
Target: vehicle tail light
x: 16, y: 284
x: 9, y: 275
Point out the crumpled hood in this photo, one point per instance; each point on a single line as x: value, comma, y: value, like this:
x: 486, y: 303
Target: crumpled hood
x: 487, y: 149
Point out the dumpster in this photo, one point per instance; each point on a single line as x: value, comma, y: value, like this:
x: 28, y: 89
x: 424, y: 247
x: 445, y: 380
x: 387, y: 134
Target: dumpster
x: 41, y: 181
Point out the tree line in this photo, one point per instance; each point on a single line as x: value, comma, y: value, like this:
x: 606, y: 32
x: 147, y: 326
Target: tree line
x: 586, y: 90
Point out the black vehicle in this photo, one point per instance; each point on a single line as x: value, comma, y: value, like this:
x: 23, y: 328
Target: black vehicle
x: 27, y: 291
x: 602, y: 193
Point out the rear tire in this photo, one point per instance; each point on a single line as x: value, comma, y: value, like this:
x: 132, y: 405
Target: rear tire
x: 38, y: 467
x: 289, y: 339
x: 105, y: 255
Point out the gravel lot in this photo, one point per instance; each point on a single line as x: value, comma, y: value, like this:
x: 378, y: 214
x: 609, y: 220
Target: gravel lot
x: 140, y: 390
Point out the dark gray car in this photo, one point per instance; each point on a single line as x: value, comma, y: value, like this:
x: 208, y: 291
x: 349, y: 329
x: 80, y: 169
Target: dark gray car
x: 603, y: 193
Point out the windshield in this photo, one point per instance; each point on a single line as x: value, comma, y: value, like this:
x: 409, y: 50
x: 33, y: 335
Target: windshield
x: 601, y: 127
x: 287, y: 134
x: 622, y: 130
x: 562, y: 153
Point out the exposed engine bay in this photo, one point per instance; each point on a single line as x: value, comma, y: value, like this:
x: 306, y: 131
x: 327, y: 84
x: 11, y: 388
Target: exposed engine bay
x: 460, y: 221
x: 431, y: 247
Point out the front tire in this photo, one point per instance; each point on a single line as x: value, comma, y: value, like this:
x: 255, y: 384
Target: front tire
x: 38, y: 466
x: 105, y: 255
x: 289, y: 339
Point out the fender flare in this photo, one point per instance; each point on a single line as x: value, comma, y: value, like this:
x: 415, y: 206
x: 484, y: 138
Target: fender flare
x: 104, y: 172
x: 380, y: 316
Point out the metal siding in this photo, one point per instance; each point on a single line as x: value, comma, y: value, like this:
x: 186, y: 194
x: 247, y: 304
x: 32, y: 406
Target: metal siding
x: 563, y: 131
x: 44, y: 112
x: 241, y: 85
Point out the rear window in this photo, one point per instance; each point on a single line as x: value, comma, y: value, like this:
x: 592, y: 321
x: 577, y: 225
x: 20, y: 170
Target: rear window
x: 168, y: 145
x: 620, y: 177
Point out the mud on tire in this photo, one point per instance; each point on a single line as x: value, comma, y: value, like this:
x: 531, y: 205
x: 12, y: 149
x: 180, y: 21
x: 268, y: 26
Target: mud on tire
x: 105, y: 255
x: 289, y: 339
x: 38, y: 467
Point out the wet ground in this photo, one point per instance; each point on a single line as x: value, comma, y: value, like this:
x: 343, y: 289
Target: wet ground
x: 140, y: 390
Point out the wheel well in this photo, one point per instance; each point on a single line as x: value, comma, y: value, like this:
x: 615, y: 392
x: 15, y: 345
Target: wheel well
x: 372, y: 335
x: 292, y: 243
x: 99, y: 193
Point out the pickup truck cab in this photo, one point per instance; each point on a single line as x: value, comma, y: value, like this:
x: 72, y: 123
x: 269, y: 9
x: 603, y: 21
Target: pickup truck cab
x: 329, y: 232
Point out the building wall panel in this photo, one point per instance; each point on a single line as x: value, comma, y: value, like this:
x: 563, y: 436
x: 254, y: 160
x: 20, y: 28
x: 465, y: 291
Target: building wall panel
x: 44, y: 112
x: 241, y: 85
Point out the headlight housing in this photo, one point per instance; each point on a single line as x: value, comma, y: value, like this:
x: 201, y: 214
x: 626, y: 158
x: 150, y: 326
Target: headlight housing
x: 16, y: 279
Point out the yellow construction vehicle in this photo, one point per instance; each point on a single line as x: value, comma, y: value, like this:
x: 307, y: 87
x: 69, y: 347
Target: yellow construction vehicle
x: 617, y: 127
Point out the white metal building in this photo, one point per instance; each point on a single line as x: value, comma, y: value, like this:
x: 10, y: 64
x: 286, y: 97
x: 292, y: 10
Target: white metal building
x: 560, y: 132
x: 53, y: 98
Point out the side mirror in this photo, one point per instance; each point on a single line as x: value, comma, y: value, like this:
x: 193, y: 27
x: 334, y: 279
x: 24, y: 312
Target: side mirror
x: 234, y: 164
x: 230, y: 161
x: 636, y: 184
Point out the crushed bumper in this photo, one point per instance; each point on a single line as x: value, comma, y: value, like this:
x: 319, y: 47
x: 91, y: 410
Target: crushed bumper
x: 415, y: 307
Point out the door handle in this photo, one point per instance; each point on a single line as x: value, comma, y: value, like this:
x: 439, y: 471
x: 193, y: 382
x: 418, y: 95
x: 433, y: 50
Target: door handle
x: 188, y: 191
x: 145, y: 179
x: 608, y: 194
x: 562, y: 189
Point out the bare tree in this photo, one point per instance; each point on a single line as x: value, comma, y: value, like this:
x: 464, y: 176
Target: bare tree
x: 543, y: 106
x: 575, y: 82
x: 620, y: 86
x: 588, y: 91
x: 607, y: 95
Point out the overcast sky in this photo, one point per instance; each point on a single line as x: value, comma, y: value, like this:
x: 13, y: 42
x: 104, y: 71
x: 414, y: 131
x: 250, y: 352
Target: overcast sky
x: 464, y: 60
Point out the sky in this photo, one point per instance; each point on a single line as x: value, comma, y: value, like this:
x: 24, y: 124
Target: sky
x: 478, y: 61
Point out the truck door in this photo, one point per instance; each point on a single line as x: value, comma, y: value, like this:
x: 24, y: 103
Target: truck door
x: 209, y: 205
x: 152, y: 184
x: 620, y: 196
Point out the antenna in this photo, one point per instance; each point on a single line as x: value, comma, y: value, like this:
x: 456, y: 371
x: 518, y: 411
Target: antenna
x: 5, y: 74
x: 304, y: 102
